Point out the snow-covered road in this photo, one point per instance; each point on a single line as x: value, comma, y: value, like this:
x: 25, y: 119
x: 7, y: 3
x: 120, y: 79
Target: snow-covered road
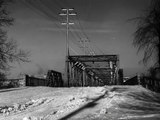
x: 75, y: 103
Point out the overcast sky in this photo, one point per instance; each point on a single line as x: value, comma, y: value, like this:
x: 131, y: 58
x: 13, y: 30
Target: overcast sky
x: 37, y: 29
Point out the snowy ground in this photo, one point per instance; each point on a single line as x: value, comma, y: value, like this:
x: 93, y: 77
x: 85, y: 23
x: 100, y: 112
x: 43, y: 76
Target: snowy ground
x: 88, y: 103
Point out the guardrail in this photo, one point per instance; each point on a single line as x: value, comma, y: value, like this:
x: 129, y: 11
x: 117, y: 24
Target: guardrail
x: 146, y: 82
x: 149, y: 83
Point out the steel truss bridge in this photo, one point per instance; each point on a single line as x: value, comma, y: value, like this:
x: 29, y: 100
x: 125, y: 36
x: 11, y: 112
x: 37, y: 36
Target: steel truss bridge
x: 93, y: 70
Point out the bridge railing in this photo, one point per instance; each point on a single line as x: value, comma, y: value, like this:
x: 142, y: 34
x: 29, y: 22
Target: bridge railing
x: 150, y: 83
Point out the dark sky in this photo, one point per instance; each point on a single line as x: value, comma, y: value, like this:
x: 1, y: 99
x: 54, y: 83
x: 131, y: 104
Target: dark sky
x: 37, y: 28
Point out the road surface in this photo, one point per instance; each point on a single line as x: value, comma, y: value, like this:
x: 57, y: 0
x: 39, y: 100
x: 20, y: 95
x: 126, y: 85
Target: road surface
x: 76, y: 103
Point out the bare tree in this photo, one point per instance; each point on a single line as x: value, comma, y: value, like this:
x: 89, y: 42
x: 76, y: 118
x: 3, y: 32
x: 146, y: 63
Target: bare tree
x: 9, y: 51
x: 147, y: 35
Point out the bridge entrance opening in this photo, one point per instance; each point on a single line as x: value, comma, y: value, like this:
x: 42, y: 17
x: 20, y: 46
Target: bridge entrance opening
x: 93, y: 70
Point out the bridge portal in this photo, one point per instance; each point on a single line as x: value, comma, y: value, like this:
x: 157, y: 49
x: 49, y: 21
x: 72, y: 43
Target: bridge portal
x: 93, y: 70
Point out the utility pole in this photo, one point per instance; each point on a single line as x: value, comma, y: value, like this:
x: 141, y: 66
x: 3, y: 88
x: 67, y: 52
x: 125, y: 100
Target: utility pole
x: 67, y: 12
x: 83, y: 41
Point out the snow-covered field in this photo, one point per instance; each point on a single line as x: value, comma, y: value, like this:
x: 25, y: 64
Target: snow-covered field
x: 75, y: 103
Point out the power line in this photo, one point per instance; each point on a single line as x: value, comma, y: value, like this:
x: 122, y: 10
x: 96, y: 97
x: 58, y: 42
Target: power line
x: 91, y: 52
x: 74, y: 30
x: 77, y: 33
x: 81, y: 34
x: 87, y: 36
x: 47, y: 9
x: 42, y: 10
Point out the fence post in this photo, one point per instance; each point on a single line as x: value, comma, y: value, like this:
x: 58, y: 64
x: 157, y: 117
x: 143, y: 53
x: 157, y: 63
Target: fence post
x: 26, y: 80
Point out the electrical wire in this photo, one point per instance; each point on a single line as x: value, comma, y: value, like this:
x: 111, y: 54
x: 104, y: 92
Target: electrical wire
x: 49, y: 11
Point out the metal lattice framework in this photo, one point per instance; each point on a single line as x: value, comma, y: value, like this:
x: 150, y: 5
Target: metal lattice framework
x: 93, y: 70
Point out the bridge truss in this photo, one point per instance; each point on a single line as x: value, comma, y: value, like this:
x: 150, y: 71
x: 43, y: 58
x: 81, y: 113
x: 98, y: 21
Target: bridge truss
x: 93, y: 70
